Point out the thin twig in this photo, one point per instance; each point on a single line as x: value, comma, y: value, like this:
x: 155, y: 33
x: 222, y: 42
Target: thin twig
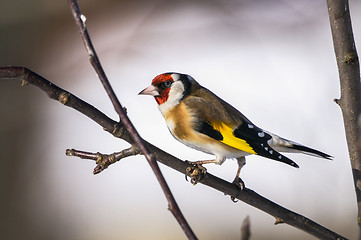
x: 246, y: 229
x: 80, y: 20
x: 83, y: 154
x: 103, y: 161
x: 349, y: 74
x: 247, y: 195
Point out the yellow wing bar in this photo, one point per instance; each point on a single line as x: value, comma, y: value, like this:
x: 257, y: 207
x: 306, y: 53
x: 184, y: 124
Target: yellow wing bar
x: 230, y: 139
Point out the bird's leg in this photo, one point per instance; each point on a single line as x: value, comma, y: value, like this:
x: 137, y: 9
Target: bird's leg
x: 237, y: 180
x: 196, y: 171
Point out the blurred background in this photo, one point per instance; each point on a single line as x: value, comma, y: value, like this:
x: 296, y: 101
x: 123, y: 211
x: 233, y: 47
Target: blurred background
x: 272, y: 60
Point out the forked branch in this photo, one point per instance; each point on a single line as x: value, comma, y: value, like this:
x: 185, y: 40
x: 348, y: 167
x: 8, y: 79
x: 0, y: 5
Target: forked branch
x: 349, y: 74
x: 80, y: 20
x: 248, y: 196
x: 103, y: 160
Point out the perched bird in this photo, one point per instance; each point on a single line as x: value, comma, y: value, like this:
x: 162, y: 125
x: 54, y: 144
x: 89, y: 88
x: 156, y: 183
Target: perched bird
x: 198, y: 118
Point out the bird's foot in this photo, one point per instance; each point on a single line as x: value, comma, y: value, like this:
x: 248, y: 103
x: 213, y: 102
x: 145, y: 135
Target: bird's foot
x: 195, y: 172
x: 240, y: 184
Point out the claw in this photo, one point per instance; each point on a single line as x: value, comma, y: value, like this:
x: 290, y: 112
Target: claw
x: 240, y: 184
x: 187, y: 169
x: 196, y: 173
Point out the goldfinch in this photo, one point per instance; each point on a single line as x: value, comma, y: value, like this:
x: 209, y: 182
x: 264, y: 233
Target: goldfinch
x: 199, y: 119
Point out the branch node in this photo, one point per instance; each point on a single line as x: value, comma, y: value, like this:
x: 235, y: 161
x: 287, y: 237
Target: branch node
x: 24, y: 82
x: 99, y: 158
x: 118, y: 130
x: 69, y: 152
x: 350, y: 57
x: 337, y: 101
x: 112, y: 159
x: 64, y: 98
x: 278, y: 221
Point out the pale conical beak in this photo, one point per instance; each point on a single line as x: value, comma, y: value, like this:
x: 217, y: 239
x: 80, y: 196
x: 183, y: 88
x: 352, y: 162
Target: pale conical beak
x: 151, y: 90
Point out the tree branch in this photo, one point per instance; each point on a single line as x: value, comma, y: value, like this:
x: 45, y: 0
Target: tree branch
x: 103, y: 160
x: 116, y: 129
x: 349, y: 74
x: 80, y: 20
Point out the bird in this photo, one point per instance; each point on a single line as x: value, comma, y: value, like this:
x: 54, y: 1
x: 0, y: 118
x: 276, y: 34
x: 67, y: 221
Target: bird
x: 198, y: 118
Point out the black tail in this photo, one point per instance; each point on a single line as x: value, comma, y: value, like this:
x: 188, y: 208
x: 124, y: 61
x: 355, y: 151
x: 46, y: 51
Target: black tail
x: 311, y: 151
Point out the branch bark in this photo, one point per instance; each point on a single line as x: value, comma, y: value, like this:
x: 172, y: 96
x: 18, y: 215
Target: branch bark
x: 349, y: 74
x: 103, y: 160
x: 248, y: 196
x: 80, y: 20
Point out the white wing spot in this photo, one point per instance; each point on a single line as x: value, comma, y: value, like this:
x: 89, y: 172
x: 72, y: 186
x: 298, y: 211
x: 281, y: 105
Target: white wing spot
x: 250, y: 126
x: 261, y: 134
x: 279, y: 157
x: 270, y: 151
x: 266, y: 148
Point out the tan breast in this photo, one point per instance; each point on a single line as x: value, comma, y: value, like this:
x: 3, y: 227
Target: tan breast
x: 179, y: 121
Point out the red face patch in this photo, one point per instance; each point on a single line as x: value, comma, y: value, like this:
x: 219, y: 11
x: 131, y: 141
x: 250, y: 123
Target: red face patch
x: 158, y: 81
x: 161, y: 78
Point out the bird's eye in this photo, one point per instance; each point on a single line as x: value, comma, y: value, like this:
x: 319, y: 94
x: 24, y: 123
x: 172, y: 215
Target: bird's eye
x: 166, y: 84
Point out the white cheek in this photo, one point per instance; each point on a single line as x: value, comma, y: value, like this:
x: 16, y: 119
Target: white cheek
x: 175, y: 95
x: 176, y: 92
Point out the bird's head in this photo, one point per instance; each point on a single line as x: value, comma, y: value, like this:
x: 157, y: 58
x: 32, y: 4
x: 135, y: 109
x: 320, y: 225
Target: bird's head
x: 169, y: 87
